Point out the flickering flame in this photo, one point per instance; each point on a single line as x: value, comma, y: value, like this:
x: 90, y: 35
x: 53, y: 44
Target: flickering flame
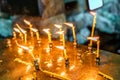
x: 69, y: 24
x: 60, y: 47
x: 58, y: 26
x: 60, y: 32
x: 93, y: 38
x: 46, y: 30
x: 93, y: 13
x: 22, y: 30
x: 16, y: 30
x: 34, y: 30
x: 27, y: 22
x: 23, y: 62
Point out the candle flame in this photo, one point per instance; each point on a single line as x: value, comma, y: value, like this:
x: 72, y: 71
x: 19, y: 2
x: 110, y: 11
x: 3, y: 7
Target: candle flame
x: 22, y: 30
x: 46, y: 30
x: 16, y: 30
x: 27, y: 22
x: 60, y: 47
x: 60, y: 32
x: 93, y: 38
x: 63, y: 74
x: 34, y: 30
x: 58, y: 26
x: 69, y: 24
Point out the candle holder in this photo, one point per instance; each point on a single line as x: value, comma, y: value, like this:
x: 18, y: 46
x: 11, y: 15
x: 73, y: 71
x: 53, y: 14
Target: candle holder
x: 49, y: 37
x: 96, y: 39
x: 36, y: 64
x: 30, y: 26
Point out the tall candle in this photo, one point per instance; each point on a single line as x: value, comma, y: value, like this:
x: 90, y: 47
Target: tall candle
x: 93, y: 29
x: 98, y: 49
x: 49, y: 35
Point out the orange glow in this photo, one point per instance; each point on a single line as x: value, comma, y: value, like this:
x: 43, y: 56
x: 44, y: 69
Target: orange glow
x: 63, y: 73
x: 28, y: 68
x: 60, y: 47
x: 20, y: 51
x: 72, y: 67
x: 60, y: 59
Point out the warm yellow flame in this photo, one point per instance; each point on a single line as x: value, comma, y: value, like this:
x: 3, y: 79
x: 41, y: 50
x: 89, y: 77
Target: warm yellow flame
x: 69, y: 24
x: 16, y: 30
x: 46, y: 30
x: 28, y: 68
x: 93, y: 38
x: 22, y: 30
x: 60, y: 32
x: 60, y: 47
x: 34, y: 30
x: 27, y: 22
x: 58, y: 26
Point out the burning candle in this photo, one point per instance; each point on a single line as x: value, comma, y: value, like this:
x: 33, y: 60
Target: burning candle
x: 60, y: 29
x: 49, y: 34
x: 37, y: 33
x: 18, y: 31
x: 73, y: 30
x: 30, y: 26
x: 93, y: 26
x: 24, y: 32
